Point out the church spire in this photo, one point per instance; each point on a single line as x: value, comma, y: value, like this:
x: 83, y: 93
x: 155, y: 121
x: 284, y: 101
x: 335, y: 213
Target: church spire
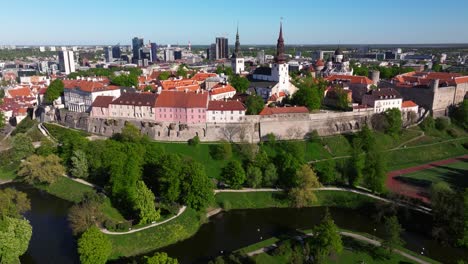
x: 280, y: 47
x: 237, y: 52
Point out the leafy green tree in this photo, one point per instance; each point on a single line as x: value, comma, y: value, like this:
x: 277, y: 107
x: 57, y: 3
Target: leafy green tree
x: 144, y: 204
x: 375, y: 170
x: 129, y: 133
x: 164, y: 75
x: 326, y: 171
x: 2, y: 117
x: 356, y: 163
x: 94, y: 247
x: 460, y: 114
x: 54, y: 91
x: 270, y: 176
x: 197, y: 188
x: 41, y: 170
x: 463, y: 240
x: 181, y: 71
x: 309, y: 94
x: 442, y: 123
x: 160, y: 258
x: 302, y: 194
x: 326, y: 239
x: 79, y: 167
x: 14, y: 238
x: 254, y: 104
x: 125, y: 80
x: 13, y: 203
x: 168, y: 178
x: 254, y: 176
x: 22, y: 146
x: 241, y: 84
x: 221, y: 151
x: 194, y: 141
x: 395, y: 122
x: 46, y: 148
x: 233, y: 174
x: 393, y: 232
x: 427, y: 124
x: 84, y: 215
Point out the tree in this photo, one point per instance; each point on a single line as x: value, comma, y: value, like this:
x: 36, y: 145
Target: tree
x: 270, y: 176
x: 47, y: 147
x: 13, y: 203
x: 326, y: 238
x: 326, y: 171
x: 375, y: 170
x: 392, y: 237
x: 160, y: 258
x: 233, y: 174
x: 442, y: 123
x: 194, y: 141
x: 254, y: 104
x: 356, y: 163
x: 2, y: 117
x: 197, y: 188
x: 79, y: 167
x: 22, y: 146
x: 181, y: 71
x: 342, y: 98
x: 84, y: 215
x: 463, y: 240
x: 126, y: 80
x: 164, y: 76
x: 460, y: 114
x: 41, y: 170
x: 254, y: 176
x: 221, y: 151
x: 54, y: 91
x: 394, y: 121
x: 168, y: 177
x: 129, y: 133
x: 14, y: 238
x: 302, y: 194
x: 427, y: 124
x: 94, y: 247
x: 241, y: 84
x: 144, y: 204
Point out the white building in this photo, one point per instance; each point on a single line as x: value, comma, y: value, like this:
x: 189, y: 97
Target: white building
x: 237, y: 60
x: 383, y: 99
x: 80, y: 94
x: 225, y: 112
x: 222, y: 92
x: 67, y: 62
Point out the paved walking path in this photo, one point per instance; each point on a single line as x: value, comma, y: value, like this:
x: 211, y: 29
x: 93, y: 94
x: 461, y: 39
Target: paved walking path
x: 354, y: 236
x: 181, y: 210
x: 5, y: 181
x: 412, y: 191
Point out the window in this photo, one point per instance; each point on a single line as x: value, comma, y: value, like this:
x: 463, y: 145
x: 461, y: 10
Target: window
x: 232, y: 118
x: 192, y: 111
x: 232, y: 112
x: 240, y: 112
x: 214, y: 118
x: 222, y: 112
x: 199, y: 116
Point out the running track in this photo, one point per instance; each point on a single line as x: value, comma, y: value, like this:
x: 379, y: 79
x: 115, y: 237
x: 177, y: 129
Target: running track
x: 413, y: 191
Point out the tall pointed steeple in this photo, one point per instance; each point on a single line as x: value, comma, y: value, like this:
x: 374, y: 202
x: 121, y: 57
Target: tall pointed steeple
x: 280, y: 58
x: 237, y: 52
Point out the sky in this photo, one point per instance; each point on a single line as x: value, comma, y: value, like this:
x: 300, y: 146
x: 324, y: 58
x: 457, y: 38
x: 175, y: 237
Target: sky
x: 108, y: 22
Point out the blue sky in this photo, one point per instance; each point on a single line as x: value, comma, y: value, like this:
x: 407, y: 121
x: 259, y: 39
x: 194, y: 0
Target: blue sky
x: 75, y: 22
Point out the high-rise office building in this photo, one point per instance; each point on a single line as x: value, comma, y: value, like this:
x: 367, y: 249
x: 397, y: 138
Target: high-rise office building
x: 222, y: 49
x: 145, y: 53
x: 116, y: 53
x: 66, y: 61
x: 211, y: 52
x: 137, y: 44
x: 154, y: 52
x: 108, y: 54
x: 177, y: 55
x: 168, y: 54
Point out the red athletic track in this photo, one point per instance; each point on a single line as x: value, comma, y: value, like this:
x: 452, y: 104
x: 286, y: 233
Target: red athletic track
x: 414, y: 191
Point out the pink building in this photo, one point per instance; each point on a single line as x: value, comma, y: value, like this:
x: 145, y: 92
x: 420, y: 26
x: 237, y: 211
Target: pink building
x: 100, y: 106
x: 182, y: 107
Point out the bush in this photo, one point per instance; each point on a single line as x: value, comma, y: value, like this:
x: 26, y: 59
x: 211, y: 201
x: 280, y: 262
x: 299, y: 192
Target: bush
x: 194, y: 141
x: 221, y: 151
x: 453, y: 132
x: 109, y: 224
x: 441, y: 123
x: 124, y: 226
x: 427, y: 124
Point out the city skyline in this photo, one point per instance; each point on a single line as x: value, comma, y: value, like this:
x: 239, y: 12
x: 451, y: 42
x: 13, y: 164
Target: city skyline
x: 304, y: 22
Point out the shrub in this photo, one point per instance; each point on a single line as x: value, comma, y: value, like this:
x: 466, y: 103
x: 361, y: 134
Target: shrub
x: 109, y: 224
x: 194, y: 141
x: 221, y: 151
x: 441, y: 123
x: 124, y: 226
x: 453, y: 132
x: 427, y: 124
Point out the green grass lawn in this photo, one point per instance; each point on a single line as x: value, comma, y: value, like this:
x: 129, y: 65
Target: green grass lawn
x: 455, y: 174
x: 144, y: 241
x: 7, y: 172
x: 58, y: 131
x: 254, y: 200
x: 111, y: 212
x: 67, y: 189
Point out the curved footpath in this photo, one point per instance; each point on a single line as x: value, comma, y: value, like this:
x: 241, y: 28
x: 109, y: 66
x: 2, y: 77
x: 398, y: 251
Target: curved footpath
x: 355, y: 236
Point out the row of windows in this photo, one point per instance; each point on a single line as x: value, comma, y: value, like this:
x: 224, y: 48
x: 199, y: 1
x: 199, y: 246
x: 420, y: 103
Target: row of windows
x: 180, y: 110
x: 180, y: 116
x: 232, y: 118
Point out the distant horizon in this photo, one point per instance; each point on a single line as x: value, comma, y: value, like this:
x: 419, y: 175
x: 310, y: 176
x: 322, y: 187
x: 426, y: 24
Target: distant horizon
x: 232, y: 44
x: 67, y: 22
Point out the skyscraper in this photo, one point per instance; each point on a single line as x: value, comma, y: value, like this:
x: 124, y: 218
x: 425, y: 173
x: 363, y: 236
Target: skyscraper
x: 222, y: 49
x: 66, y: 61
x: 211, y: 52
x: 116, y: 53
x: 137, y: 44
x: 154, y: 52
x: 108, y: 54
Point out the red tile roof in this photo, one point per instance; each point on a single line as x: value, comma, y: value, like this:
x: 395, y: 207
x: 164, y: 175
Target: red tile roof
x: 20, y: 92
x: 102, y: 101
x: 182, y: 99
x: 202, y: 76
x: 174, y: 84
x: 284, y: 110
x: 225, y: 106
x: 222, y: 88
x: 408, y: 104
x: 351, y: 79
x: 412, y: 79
x: 88, y: 86
x: 136, y: 99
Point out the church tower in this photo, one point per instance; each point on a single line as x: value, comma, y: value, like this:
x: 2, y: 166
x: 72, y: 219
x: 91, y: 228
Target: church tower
x: 280, y: 69
x: 237, y: 60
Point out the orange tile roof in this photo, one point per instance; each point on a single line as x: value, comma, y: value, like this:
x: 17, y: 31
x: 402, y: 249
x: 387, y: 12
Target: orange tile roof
x: 20, y: 92
x: 222, y: 88
x: 182, y: 99
x: 284, y: 110
x: 202, y: 76
x: 425, y: 78
x: 88, y: 86
x: 351, y: 79
x: 408, y: 104
x: 226, y: 106
x: 173, y: 84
